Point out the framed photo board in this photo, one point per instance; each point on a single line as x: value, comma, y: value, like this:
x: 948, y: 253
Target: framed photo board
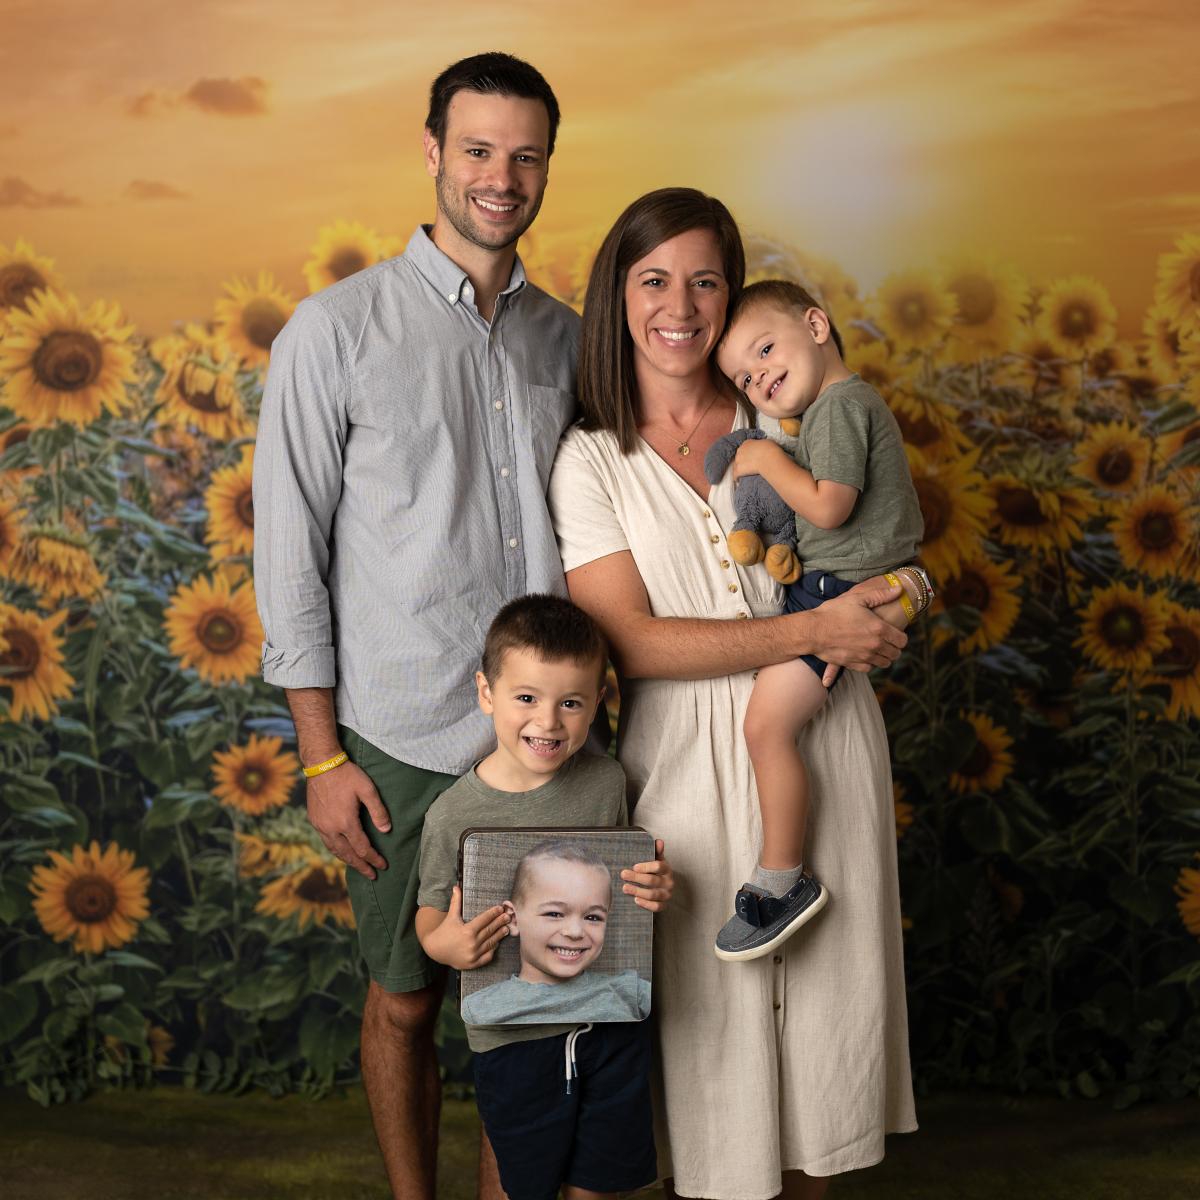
x: 579, y: 949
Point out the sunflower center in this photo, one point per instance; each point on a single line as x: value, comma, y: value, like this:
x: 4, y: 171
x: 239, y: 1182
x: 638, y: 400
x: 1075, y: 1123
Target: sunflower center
x: 18, y: 281
x: 935, y: 507
x: 970, y: 589
x: 91, y: 899
x: 244, y: 507
x: 978, y: 761
x: 317, y: 888
x: 262, y: 319
x: 252, y: 780
x: 1019, y: 506
x: 1156, y: 531
x: 917, y: 431
x: 219, y: 631
x: 976, y: 296
x: 1114, y: 466
x: 199, y: 388
x: 1123, y: 627
x: 68, y: 360
x: 346, y: 260
x: 912, y: 311
x: 1077, y: 320
x: 1182, y: 655
x: 21, y: 658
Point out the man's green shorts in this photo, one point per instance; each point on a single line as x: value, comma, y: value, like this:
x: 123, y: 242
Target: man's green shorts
x: 385, y: 907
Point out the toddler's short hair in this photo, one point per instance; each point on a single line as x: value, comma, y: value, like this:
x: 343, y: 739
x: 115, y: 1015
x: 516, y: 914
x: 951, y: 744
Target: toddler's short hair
x: 783, y: 294
x: 550, y: 627
x: 558, y: 850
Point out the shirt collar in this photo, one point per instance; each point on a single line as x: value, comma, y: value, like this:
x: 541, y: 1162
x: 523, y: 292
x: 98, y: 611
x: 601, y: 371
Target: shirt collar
x: 445, y: 274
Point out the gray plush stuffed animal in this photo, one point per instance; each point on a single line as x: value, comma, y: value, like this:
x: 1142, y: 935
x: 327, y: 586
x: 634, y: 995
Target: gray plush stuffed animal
x: 761, y: 511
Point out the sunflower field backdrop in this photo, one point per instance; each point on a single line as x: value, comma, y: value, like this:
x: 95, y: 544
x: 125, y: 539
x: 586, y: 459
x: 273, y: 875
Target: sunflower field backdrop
x: 167, y: 911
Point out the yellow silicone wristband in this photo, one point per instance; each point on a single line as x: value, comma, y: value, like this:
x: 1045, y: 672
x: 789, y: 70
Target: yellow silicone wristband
x: 327, y: 765
x: 905, y: 602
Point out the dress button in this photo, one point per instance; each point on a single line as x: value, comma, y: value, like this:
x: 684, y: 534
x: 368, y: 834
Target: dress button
x: 733, y: 587
x: 498, y: 405
x: 725, y: 563
x: 776, y: 1006
x: 777, y: 959
x: 512, y: 542
x: 741, y: 616
x: 707, y: 513
x: 714, y: 538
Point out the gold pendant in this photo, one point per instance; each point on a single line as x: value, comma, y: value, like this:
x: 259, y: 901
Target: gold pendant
x: 685, y: 449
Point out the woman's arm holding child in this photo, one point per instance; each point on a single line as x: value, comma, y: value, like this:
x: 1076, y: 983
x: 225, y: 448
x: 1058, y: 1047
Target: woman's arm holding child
x: 460, y: 944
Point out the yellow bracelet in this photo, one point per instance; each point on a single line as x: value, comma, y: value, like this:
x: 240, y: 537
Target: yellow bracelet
x: 905, y: 602
x: 327, y: 765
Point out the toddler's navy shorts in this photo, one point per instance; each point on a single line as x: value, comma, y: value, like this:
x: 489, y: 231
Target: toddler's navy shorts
x: 810, y: 591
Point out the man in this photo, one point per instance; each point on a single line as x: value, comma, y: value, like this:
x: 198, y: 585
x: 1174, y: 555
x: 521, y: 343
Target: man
x: 408, y: 428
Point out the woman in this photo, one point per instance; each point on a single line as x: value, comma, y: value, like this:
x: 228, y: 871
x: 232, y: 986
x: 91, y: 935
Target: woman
x: 777, y: 1072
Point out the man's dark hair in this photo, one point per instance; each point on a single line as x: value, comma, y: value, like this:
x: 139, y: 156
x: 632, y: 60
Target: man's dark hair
x: 783, y: 294
x: 491, y: 74
x: 549, y: 627
x: 605, y: 384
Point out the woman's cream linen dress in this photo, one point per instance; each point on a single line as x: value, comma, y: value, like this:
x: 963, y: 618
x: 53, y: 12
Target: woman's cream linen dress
x: 796, y: 1060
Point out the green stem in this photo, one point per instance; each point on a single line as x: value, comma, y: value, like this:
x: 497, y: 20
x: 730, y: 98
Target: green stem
x: 186, y: 859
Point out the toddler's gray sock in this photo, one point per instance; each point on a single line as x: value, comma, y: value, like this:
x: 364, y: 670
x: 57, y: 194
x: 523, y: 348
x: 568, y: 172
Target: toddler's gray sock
x: 776, y: 882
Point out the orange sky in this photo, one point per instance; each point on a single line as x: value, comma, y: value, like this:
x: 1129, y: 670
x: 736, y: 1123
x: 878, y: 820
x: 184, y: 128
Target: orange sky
x: 156, y: 150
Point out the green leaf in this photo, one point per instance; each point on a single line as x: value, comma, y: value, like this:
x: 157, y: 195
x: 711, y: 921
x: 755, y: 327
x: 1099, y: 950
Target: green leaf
x: 49, y: 817
x: 18, y: 1007
x: 29, y: 791
x: 327, y: 1041
x: 52, y: 968
x: 124, y: 1023
x: 1138, y: 897
x: 1086, y: 1085
x: 126, y: 958
x: 986, y: 827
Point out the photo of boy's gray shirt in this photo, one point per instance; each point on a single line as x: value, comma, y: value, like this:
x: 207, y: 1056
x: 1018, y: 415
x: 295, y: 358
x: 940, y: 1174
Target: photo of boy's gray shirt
x: 588, y: 791
x: 588, y: 997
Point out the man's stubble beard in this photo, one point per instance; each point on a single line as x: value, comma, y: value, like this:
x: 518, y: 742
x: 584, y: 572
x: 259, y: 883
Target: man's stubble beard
x: 463, y: 220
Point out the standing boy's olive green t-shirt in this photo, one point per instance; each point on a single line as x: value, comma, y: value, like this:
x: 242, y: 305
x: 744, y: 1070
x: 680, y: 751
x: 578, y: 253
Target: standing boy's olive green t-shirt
x: 848, y: 435
x: 588, y: 791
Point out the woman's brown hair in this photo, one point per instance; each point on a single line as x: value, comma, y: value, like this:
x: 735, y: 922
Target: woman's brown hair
x: 607, y: 386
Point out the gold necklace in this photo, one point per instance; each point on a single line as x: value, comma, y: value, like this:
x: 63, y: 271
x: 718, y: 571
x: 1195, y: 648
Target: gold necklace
x: 683, y: 446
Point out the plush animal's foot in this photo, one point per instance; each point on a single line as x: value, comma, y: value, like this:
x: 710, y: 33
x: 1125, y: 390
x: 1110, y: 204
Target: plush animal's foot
x: 746, y: 547
x: 782, y: 564
x: 789, y: 426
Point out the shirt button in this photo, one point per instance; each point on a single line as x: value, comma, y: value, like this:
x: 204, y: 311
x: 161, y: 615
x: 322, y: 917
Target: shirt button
x: 741, y: 616
x: 733, y: 587
x: 451, y: 297
x: 498, y: 405
x: 512, y: 542
x: 714, y: 538
x: 503, y: 472
x: 725, y: 563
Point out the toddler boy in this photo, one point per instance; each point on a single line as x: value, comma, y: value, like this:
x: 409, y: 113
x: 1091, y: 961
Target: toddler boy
x: 541, y: 683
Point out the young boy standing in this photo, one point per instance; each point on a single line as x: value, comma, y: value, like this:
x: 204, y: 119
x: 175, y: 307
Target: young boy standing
x: 857, y: 517
x: 541, y: 683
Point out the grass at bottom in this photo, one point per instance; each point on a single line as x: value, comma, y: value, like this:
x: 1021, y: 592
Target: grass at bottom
x: 172, y: 1144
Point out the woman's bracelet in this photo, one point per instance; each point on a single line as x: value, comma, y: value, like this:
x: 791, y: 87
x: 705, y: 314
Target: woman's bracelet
x: 893, y: 578
x: 328, y: 765
x: 920, y: 578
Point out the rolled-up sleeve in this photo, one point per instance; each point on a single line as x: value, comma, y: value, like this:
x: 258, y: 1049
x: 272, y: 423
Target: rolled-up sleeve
x: 297, y: 483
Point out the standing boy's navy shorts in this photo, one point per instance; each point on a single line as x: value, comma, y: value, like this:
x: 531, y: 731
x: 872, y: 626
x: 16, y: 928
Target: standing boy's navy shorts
x: 810, y: 591
x: 598, y: 1136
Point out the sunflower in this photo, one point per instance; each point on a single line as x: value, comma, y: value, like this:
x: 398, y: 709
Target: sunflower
x: 199, y: 391
x: 12, y: 481
x: 57, y: 563
x: 954, y: 509
x: 824, y: 279
x: 1177, y: 291
x: 250, y: 316
x: 990, y: 589
x: 904, y: 810
x: 927, y: 425
x: 262, y: 856
x: 315, y: 892
x: 990, y: 300
x: 215, y: 629
x: 10, y: 532
x: 1171, y: 444
x: 1123, y: 629
x: 64, y: 363
x: 874, y: 363
x: 1163, y: 346
x: 1037, y: 365
x: 1038, y: 518
x: 912, y: 310
x: 1156, y: 535
x: 24, y: 272
x: 192, y: 341
x: 1187, y: 888
x: 1178, y: 666
x: 989, y: 763
x: 1114, y: 457
x: 230, y: 504
x: 561, y: 263
x: 256, y: 777
x: 31, y: 660
x: 93, y: 898
x: 341, y: 250
x: 1077, y: 318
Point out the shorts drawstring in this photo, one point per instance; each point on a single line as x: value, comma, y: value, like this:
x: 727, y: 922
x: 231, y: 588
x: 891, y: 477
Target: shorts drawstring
x: 571, y: 1070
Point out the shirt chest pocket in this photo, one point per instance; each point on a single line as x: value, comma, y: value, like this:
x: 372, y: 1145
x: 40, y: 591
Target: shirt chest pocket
x: 539, y: 423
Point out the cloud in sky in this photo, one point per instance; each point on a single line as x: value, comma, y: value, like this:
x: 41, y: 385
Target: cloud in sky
x: 244, y: 97
x: 20, y: 193
x: 152, y: 189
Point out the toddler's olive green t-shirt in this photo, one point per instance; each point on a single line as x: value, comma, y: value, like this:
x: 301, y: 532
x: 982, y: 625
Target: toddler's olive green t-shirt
x: 848, y: 435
